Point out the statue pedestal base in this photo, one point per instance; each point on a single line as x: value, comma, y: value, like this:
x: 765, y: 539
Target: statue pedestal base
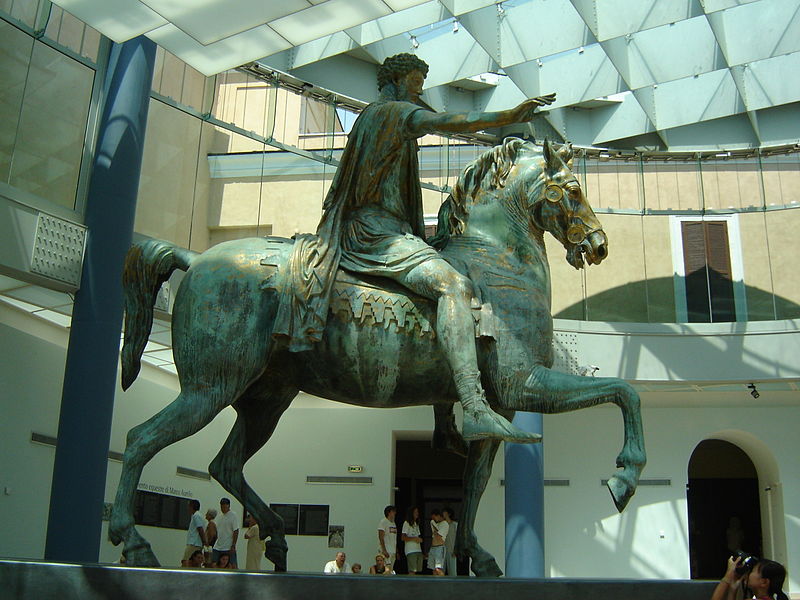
x: 37, y: 580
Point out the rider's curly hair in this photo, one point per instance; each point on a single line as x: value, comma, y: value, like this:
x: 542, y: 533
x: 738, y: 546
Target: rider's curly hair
x: 398, y: 66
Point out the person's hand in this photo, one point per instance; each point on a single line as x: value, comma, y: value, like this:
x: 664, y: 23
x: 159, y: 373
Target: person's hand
x: 385, y: 554
x: 524, y: 112
x: 732, y: 578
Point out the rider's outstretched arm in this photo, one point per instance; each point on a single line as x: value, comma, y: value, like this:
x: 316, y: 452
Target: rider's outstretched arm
x: 423, y: 122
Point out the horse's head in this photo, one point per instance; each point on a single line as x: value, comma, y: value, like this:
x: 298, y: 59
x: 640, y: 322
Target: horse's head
x: 533, y: 185
x: 558, y: 205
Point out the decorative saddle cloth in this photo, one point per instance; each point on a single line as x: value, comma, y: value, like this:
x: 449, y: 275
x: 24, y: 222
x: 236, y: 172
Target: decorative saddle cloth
x: 371, y: 300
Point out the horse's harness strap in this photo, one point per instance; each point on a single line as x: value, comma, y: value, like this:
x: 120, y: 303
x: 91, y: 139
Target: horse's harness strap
x: 577, y: 231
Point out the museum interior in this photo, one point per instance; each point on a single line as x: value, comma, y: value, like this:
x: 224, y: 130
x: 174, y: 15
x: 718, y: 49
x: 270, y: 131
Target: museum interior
x: 684, y: 121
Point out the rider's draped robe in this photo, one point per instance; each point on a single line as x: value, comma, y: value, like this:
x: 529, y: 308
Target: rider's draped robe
x: 372, y: 222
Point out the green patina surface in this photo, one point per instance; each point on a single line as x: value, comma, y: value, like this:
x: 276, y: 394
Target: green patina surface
x: 257, y: 320
x: 378, y: 346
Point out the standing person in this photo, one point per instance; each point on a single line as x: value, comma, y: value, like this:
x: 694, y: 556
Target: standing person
x: 450, y: 559
x: 765, y: 580
x: 372, y: 224
x: 337, y: 565
x: 387, y: 535
x: 255, y: 545
x: 413, y: 541
x: 439, y: 529
x: 196, y: 534
x: 227, y: 534
x: 211, y: 535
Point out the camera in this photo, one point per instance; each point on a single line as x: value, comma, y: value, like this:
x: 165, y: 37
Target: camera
x: 747, y: 562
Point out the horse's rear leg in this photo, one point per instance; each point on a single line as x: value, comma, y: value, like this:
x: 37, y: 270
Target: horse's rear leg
x: 258, y: 411
x: 187, y: 414
x: 548, y: 391
x: 476, y: 475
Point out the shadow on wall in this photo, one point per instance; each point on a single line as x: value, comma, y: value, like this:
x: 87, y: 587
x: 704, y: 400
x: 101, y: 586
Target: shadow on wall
x: 609, y: 548
x: 653, y: 301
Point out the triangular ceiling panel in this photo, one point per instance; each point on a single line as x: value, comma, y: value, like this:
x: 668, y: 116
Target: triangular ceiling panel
x: 661, y: 67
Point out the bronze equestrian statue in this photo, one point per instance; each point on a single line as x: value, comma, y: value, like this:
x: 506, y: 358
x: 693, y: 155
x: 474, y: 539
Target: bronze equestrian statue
x: 257, y: 320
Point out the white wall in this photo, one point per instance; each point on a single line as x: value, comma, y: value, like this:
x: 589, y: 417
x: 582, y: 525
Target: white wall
x: 585, y: 537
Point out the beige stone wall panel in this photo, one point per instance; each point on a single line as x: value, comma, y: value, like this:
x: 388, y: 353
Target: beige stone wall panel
x: 615, y: 289
x: 659, y: 269
x: 566, y: 283
x: 671, y: 186
x: 756, y: 266
x: 169, y: 168
x: 781, y: 180
x: 782, y: 227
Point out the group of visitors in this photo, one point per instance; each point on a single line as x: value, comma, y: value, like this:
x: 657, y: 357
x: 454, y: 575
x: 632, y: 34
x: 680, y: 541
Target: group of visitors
x: 211, y: 542
x: 441, y: 554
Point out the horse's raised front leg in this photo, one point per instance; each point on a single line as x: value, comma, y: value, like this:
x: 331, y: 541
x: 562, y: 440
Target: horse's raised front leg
x: 258, y: 411
x: 184, y: 416
x: 548, y: 391
x: 476, y: 475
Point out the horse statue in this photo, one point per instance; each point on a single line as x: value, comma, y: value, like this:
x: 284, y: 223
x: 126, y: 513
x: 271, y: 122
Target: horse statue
x: 491, y: 229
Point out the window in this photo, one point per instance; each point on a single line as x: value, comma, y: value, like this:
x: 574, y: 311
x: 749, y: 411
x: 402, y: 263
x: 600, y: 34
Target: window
x: 303, y: 519
x: 707, y: 268
x: 161, y: 510
x: 707, y: 259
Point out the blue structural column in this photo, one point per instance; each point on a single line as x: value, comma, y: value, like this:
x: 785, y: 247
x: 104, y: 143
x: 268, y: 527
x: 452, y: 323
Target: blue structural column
x: 524, y: 491
x: 87, y: 400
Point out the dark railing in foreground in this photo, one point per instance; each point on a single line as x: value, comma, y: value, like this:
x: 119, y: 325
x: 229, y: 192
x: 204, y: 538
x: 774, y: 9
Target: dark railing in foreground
x: 44, y: 581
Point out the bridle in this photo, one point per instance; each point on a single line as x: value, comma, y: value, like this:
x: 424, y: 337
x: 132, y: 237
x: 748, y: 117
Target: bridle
x: 577, y: 231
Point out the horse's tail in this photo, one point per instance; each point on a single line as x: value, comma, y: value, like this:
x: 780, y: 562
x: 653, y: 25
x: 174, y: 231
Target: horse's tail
x: 149, y: 264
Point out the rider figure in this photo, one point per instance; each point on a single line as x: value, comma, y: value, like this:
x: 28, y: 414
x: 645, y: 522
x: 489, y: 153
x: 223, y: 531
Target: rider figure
x: 373, y: 224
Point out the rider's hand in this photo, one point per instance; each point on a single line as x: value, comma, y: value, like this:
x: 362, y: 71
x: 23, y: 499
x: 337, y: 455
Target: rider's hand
x: 524, y: 112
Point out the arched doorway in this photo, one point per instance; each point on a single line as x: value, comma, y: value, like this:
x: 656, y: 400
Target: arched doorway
x: 723, y: 505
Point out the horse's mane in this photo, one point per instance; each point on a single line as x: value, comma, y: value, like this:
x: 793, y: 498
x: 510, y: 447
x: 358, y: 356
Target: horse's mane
x: 495, y: 165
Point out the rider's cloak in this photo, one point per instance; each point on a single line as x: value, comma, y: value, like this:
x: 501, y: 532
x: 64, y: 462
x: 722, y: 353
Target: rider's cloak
x: 373, y: 208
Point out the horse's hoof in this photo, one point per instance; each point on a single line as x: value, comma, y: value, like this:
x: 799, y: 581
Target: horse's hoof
x: 114, y: 537
x: 141, y: 556
x: 486, y: 568
x: 621, y: 492
x: 275, y: 552
x: 485, y: 424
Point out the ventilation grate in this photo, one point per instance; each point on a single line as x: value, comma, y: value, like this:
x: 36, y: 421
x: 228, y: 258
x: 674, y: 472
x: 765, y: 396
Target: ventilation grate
x: 58, y: 249
x: 339, y: 480
x: 186, y: 472
x: 565, y: 352
x: 645, y: 482
x: 40, y: 438
x: 48, y: 440
x: 548, y: 482
x: 162, y: 298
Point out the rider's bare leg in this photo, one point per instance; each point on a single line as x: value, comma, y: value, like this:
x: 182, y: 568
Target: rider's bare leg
x: 437, y: 280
